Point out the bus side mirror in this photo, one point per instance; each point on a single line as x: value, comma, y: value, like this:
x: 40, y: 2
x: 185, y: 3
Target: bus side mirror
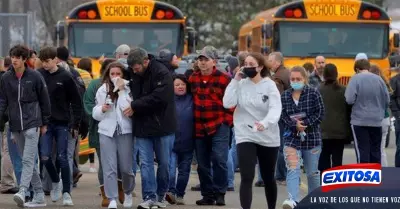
x: 59, y: 31
x: 396, y: 40
x: 191, y: 39
x: 266, y: 31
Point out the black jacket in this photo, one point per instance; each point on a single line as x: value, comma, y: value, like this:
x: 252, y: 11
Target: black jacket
x: 395, y: 97
x: 64, y: 95
x: 4, y: 119
x: 27, y: 100
x: 153, y: 101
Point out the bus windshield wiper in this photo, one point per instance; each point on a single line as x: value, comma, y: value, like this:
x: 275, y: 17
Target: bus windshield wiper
x: 322, y: 53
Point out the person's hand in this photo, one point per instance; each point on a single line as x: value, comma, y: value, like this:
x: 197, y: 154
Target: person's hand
x: 238, y: 75
x: 43, y: 130
x: 300, y: 126
x: 128, y: 112
x: 260, y: 127
x: 105, y: 108
x: 120, y: 84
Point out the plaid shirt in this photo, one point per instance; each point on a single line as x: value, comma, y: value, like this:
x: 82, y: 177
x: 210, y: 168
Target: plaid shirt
x: 310, y: 104
x: 209, y: 112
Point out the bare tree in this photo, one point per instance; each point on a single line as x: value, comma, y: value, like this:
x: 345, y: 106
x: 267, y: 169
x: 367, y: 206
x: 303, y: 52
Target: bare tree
x: 4, y: 25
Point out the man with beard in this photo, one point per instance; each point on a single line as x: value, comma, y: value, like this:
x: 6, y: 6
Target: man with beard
x: 316, y: 77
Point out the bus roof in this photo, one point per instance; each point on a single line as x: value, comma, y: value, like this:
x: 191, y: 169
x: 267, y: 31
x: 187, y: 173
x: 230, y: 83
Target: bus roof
x: 126, y: 11
x: 245, y: 29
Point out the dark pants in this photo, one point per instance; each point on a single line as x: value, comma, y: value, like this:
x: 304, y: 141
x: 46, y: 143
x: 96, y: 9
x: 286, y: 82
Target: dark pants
x: 281, y: 170
x: 248, y: 154
x: 213, y: 150
x: 367, y: 143
x: 182, y: 160
x: 397, y: 133
x: 60, y: 134
x: 331, y: 154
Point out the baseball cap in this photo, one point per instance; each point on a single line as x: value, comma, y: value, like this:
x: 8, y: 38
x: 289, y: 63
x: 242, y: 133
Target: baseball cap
x: 209, y: 52
x: 123, y: 49
x: 361, y: 56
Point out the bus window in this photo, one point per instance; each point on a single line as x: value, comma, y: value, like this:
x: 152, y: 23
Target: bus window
x: 332, y: 39
x: 93, y: 40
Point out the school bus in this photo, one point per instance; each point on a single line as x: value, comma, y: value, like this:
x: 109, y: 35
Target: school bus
x: 335, y: 29
x: 97, y: 28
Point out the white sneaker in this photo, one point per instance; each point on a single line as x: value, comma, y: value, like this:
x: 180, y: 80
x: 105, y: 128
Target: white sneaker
x: 19, y: 198
x: 128, y: 201
x: 38, y: 201
x: 56, y: 192
x: 288, y: 204
x: 92, y: 170
x: 67, y: 199
x: 160, y: 204
x: 112, y: 205
x: 146, y: 204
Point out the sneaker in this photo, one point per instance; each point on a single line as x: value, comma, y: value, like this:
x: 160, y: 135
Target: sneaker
x: 19, y: 198
x: 180, y: 201
x: 259, y: 184
x: 147, y: 204
x: 55, y: 193
x: 128, y: 201
x: 38, y: 201
x: 92, y: 170
x: 67, y: 200
x: 170, y: 197
x: 112, y: 205
x: 160, y: 204
x: 288, y: 204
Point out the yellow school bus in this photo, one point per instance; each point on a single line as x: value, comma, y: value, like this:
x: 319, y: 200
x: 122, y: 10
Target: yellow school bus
x: 335, y: 29
x: 97, y: 28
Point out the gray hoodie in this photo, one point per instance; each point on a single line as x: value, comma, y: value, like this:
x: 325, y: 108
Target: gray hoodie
x: 369, y: 96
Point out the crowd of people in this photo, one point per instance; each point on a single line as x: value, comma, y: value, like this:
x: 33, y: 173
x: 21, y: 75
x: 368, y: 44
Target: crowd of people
x: 140, y: 112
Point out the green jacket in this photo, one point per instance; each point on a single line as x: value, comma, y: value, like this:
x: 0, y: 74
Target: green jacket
x: 89, y: 101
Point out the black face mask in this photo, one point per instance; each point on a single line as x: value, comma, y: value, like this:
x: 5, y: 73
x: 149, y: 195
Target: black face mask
x: 251, y: 72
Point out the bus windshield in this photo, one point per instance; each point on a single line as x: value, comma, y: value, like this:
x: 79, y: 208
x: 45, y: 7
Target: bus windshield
x: 96, y: 39
x: 346, y: 40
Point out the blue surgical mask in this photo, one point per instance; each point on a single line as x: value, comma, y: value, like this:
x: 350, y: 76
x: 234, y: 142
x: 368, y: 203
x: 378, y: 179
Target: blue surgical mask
x: 297, y: 85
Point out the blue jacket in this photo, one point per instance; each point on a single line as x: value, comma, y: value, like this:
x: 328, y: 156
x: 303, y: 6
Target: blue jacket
x: 184, y: 141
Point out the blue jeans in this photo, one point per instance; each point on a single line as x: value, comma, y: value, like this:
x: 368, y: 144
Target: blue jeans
x: 232, y: 161
x: 16, y: 159
x: 60, y: 134
x: 213, y: 150
x: 397, y: 134
x: 177, y: 184
x: 281, y: 171
x: 153, y: 187
x: 293, y: 160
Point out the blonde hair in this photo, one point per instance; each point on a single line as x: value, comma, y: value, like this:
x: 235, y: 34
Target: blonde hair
x: 302, y: 71
x: 377, y: 71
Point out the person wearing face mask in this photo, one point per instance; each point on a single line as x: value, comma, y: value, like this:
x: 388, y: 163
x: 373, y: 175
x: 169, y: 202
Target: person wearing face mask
x: 258, y: 109
x: 115, y: 130
x: 302, y: 113
x: 317, y: 76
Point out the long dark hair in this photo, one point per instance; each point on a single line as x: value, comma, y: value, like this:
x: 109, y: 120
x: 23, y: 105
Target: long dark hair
x: 330, y: 75
x: 107, y: 79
